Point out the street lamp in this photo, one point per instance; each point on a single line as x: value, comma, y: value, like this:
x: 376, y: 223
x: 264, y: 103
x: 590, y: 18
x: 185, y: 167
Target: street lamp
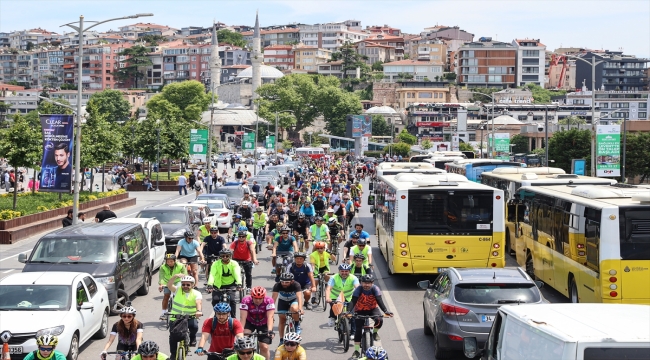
x: 157, y: 154
x: 77, y: 150
x: 275, y: 146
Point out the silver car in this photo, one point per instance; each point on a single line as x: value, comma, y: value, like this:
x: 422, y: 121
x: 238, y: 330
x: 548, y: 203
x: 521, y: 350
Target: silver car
x: 463, y: 302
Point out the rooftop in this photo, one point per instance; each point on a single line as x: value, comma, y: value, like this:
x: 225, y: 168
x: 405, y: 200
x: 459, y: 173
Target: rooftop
x: 268, y: 72
x: 411, y: 62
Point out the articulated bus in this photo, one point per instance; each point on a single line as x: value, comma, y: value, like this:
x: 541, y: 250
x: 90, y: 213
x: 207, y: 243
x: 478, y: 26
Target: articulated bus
x: 426, y: 223
x: 473, y: 168
x: 589, y: 242
x: 510, y: 180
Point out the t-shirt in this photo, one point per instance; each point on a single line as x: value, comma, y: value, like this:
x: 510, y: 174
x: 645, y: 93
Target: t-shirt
x: 189, y: 249
x: 255, y: 357
x: 257, y: 314
x: 298, y: 354
x: 222, y: 338
x: 182, y: 181
x: 367, y: 298
x: 287, y: 293
x: 301, y: 274
x: 362, y: 235
x: 241, y: 250
x: 132, y: 337
x: 55, y: 356
x: 285, y: 244
x: 104, y: 214
x: 213, y: 246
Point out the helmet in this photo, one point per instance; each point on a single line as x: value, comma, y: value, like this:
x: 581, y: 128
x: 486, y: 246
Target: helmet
x: 355, y: 236
x: 259, y: 209
x: 170, y: 257
x: 148, y: 348
x: 189, y: 234
x: 47, y: 340
x: 238, y: 216
x: 319, y: 245
x: 246, y: 342
x: 330, y: 210
x: 258, y: 292
x: 206, y: 220
x: 128, y: 310
x: 279, y: 224
x: 337, y: 200
x: 319, y: 219
x: 376, y: 353
x: 344, y: 267
x: 214, y: 228
x: 245, y: 203
x: 286, y: 277
x: 243, y: 228
x: 359, y: 256
x: 225, y: 252
x: 222, y: 308
x: 367, y: 278
x: 332, y: 220
x: 300, y: 254
x: 301, y: 216
x: 187, y: 278
x: 285, y: 228
x: 292, y: 337
x: 361, y: 242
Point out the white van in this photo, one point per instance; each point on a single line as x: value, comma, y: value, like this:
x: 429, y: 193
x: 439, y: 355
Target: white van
x: 566, y: 332
x: 155, y: 237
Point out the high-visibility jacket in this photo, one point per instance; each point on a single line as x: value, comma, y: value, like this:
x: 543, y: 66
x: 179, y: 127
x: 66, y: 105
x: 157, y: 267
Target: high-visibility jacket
x: 347, y: 288
x: 356, y: 250
x: 314, y: 230
x: 259, y: 221
x: 314, y: 258
x: 182, y: 304
x: 165, y: 273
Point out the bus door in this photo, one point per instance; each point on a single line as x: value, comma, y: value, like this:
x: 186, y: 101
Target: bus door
x: 635, y: 254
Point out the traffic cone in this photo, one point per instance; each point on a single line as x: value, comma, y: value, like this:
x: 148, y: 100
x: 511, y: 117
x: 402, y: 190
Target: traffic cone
x: 5, y: 352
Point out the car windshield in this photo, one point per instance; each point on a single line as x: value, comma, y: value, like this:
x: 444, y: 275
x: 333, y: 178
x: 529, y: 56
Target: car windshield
x: 76, y: 250
x: 34, y: 297
x: 497, y: 293
x: 165, y: 217
x: 211, y: 196
x: 234, y: 192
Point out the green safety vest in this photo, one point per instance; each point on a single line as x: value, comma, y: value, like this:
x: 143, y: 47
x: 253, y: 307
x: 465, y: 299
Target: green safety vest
x: 259, y: 221
x: 354, y: 267
x: 355, y: 250
x: 323, y: 232
x: 347, y: 289
x: 205, y: 231
x: 166, y: 272
x: 182, y: 305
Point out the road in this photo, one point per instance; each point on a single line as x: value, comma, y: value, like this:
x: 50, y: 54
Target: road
x: 402, y: 336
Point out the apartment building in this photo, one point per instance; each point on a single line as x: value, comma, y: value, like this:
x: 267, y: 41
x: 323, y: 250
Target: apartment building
x: 617, y: 72
x: 99, y: 64
x: 385, y: 29
x: 612, y: 104
x: 279, y: 36
x: 309, y: 57
x: 531, y: 60
x: 554, y: 73
x: 7, y: 66
x: 331, y: 36
x: 453, y: 36
x: 4, y: 40
x: 334, y: 68
x: 487, y: 63
x: 434, y: 51
x: 415, y: 92
x: 279, y: 56
x: 22, y: 39
x: 419, y: 70
x: 381, y: 47
x: 142, y: 29
x: 48, y: 68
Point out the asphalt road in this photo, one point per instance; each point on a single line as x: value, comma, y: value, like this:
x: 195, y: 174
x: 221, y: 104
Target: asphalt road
x: 402, y: 336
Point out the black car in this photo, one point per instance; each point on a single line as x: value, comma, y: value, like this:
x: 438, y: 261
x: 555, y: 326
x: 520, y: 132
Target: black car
x: 175, y: 222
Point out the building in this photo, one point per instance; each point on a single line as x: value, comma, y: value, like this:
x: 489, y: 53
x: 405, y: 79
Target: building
x: 487, y: 63
x: 334, y: 68
x: 279, y: 36
x: 388, y: 30
x: 614, y: 105
x: 434, y: 51
x: 4, y: 40
x: 531, y: 60
x: 419, y: 70
x: 375, y: 52
x: 7, y: 66
x: 453, y: 36
x: 413, y: 92
x: 142, y: 29
x: 99, y: 65
x: 279, y: 56
x: 617, y: 72
x: 331, y: 36
x: 28, y: 39
x: 393, y: 45
x: 309, y: 57
x: 240, y: 90
x: 48, y: 72
x: 555, y: 71
x: 389, y: 114
x: 229, y: 72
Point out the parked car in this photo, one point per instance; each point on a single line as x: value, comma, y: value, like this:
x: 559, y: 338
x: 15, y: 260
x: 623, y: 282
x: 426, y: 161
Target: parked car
x: 115, y: 254
x: 175, y: 222
x: 220, y: 214
x: 463, y: 303
x: 155, y: 237
x: 249, y: 161
x: 69, y: 305
x: 214, y: 196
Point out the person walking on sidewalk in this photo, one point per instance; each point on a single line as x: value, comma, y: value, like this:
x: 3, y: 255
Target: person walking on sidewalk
x: 182, y: 184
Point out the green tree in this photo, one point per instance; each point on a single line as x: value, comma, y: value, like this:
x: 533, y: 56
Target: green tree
x: 407, y: 56
x: 287, y: 144
x: 110, y: 103
x: 450, y: 76
x: 137, y: 59
x: 426, y: 144
x: 21, y: 145
x: 378, y: 66
x: 46, y: 107
x: 68, y: 87
x: 146, y: 141
x: 30, y: 46
x: 572, y: 120
x: 4, y: 107
x: 351, y: 60
x: 520, y: 143
x: 403, y: 149
x: 541, y: 95
x: 379, y: 126
x: 481, y: 98
x: 335, y: 104
x: 567, y: 145
x: 153, y: 40
x: 465, y: 147
x: 230, y: 37
x: 188, y: 97
x: 100, y: 140
x: 637, y: 155
x: 405, y: 76
x: 407, y: 138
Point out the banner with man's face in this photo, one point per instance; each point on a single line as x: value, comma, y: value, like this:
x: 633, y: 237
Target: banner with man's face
x: 56, y: 167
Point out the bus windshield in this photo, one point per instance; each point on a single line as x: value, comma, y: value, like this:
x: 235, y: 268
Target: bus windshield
x: 634, y: 225
x: 446, y: 212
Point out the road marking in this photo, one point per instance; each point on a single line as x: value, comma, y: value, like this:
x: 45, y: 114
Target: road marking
x: 13, y: 256
x: 174, y: 199
x: 8, y: 271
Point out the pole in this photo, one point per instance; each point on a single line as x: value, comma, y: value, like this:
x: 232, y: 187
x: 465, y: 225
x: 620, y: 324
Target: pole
x: 593, y: 115
x: 492, y: 116
x: 624, y: 146
x: 209, y: 157
x: 275, y: 144
x: 103, y: 173
x: 158, y: 158
x: 546, y: 134
x: 257, y: 128
x: 481, y: 141
x: 77, y: 145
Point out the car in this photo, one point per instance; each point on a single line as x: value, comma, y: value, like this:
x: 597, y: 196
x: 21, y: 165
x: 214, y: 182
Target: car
x: 214, y: 196
x: 155, y: 237
x: 70, y: 305
x: 175, y: 222
x: 196, y: 208
x: 220, y: 214
x: 234, y: 193
x: 463, y: 303
x: 249, y: 161
x: 283, y: 170
x: 274, y: 174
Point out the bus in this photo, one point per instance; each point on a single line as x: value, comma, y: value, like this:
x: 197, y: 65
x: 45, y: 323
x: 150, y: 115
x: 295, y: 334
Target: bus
x: 439, y: 154
x: 391, y: 168
x: 312, y: 152
x: 510, y: 180
x: 589, y: 242
x: 441, y: 161
x: 426, y: 223
x: 473, y: 168
x: 531, y: 160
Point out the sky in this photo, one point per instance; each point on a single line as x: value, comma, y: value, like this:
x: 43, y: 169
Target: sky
x: 595, y: 24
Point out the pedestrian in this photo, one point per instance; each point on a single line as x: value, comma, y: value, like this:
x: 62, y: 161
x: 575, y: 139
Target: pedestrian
x: 31, y: 185
x: 239, y: 175
x: 67, y: 221
x: 81, y: 216
x: 182, y: 184
x: 224, y: 175
x: 7, y: 181
x: 146, y: 182
x: 225, y: 163
x: 192, y: 179
x: 198, y: 186
x: 106, y: 213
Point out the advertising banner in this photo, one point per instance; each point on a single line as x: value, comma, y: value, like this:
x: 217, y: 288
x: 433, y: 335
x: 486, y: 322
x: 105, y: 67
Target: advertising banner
x: 364, y: 143
x: 248, y: 141
x: 198, y: 142
x: 608, y: 150
x: 455, y: 142
x: 501, y: 146
x: 56, y: 167
x: 578, y: 166
x: 361, y: 126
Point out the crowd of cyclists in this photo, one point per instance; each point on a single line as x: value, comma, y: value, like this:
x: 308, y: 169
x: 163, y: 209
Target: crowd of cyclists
x: 308, y: 231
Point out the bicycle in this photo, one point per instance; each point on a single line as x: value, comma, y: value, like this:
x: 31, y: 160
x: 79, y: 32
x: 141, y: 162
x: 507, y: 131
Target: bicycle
x: 290, y: 325
x: 287, y: 259
x: 220, y: 356
x: 183, y: 346
x: 243, y: 290
x: 301, y: 243
x: 366, y: 336
x: 223, y: 295
x: 319, y: 296
x: 259, y: 240
x: 341, y: 324
x: 209, y: 260
x: 121, y: 355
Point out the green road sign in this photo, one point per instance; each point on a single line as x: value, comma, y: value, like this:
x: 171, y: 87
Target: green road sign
x: 270, y: 142
x: 501, y: 146
x: 248, y: 141
x: 198, y: 142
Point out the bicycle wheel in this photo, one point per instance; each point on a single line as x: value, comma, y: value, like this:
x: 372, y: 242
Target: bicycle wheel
x: 322, y: 294
x: 344, y: 333
x: 366, y: 341
x: 180, y: 352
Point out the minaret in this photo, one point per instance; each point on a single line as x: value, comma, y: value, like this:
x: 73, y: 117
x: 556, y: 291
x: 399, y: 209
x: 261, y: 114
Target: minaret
x: 256, y: 59
x: 215, y: 61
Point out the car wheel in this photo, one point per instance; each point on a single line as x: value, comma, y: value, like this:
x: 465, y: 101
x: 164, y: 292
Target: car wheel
x: 437, y: 352
x: 103, y: 328
x: 427, y: 329
x: 573, y: 291
x: 120, y: 302
x: 73, y: 354
x: 144, y: 289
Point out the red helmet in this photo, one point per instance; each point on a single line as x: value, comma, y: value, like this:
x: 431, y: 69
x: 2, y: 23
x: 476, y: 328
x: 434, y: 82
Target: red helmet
x: 258, y: 292
x: 319, y: 245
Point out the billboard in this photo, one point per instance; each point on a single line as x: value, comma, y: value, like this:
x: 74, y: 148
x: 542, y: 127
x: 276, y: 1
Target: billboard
x: 608, y: 150
x: 270, y: 142
x: 358, y: 126
x: 198, y: 144
x: 500, y: 146
x: 56, y: 165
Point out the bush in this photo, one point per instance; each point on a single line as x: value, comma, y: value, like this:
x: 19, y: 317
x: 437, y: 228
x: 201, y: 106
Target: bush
x: 43, y: 201
x: 9, y: 214
x: 399, y: 149
x: 42, y: 208
x: 375, y: 154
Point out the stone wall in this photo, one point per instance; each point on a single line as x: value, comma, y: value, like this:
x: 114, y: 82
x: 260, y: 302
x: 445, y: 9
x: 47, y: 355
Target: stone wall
x: 235, y: 93
x: 385, y: 93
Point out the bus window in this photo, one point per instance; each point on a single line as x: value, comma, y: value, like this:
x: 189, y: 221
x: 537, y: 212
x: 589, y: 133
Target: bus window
x: 436, y: 212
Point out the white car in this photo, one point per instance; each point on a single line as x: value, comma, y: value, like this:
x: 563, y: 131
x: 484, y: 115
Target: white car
x: 155, y: 237
x: 222, y: 216
x: 70, y: 305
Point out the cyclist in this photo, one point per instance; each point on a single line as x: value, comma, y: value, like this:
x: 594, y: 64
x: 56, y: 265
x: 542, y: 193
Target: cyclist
x: 46, y: 349
x: 128, y: 331
x: 367, y: 300
x: 245, y: 349
x: 349, y: 245
x: 259, y: 222
x: 236, y: 223
x: 284, y: 245
x: 271, y: 225
x: 288, y: 294
x: 256, y: 312
x: 358, y: 268
x: 362, y: 248
x: 307, y: 209
x: 375, y: 353
x: 245, y: 212
x: 304, y: 275
x: 358, y: 229
x: 291, y: 349
x: 170, y: 268
x: 224, y: 275
x: 339, y: 211
x: 292, y: 214
x: 222, y: 330
x: 243, y: 252
x: 319, y: 204
x: 189, y: 249
x: 186, y: 301
x: 349, y: 208
x: 301, y: 225
x: 204, y: 230
x: 343, y: 282
x: 318, y: 232
x: 335, y: 195
x: 336, y: 231
x: 212, y: 245
x: 274, y: 234
x: 320, y: 259
x: 329, y: 214
x: 149, y: 350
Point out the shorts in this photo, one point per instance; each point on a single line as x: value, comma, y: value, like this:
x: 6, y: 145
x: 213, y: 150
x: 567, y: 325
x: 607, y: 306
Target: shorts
x: 283, y: 306
x: 190, y: 259
x: 260, y: 329
x: 323, y: 270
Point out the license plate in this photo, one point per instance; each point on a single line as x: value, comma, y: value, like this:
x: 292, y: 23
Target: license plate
x: 487, y: 318
x: 441, y: 270
x: 15, y: 349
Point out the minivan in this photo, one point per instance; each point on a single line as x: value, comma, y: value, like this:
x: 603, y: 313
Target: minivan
x: 115, y: 254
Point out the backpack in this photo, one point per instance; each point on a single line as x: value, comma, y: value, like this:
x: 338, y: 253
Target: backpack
x: 214, y: 324
x: 179, y: 330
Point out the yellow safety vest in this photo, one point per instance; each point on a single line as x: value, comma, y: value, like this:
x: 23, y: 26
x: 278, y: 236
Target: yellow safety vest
x: 347, y: 289
x: 184, y: 305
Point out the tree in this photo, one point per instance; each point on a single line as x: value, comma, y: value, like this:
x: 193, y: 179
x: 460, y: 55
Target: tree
x: 100, y: 140
x: 572, y: 120
x: 3, y: 110
x: 21, y: 145
x: 30, y: 46
x: 407, y: 138
x: 137, y: 59
x: 188, y: 97
x: 379, y: 126
x: 567, y: 145
x: 637, y: 155
x: 407, y: 56
x: 110, y: 103
x: 541, y: 95
x: 450, y: 76
x: 146, y: 141
x: 230, y: 37
x: 463, y: 146
x: 153, y: 40
x: 335, y: 104
x: 426, y: 144
x: 351, y: 60
x: 378, y: 66
x: 481, y: 98
x: 398, y: 149
x: 68, y: 87
x: 520, y: 144
x: 405, y: 76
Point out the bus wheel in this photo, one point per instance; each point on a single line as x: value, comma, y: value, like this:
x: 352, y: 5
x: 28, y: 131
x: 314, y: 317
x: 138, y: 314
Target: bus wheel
x: 530, y: 267
x: 573, y: 291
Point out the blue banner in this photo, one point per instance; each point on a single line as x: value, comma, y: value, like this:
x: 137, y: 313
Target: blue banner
x: 56, y: 167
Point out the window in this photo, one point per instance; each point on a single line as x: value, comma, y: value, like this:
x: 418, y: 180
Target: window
x: 108, y: 78
x: 530, y: 61
x: 530, y: 53
x: 82, y: 295
x: 425, y: 95
x: 642, y: 114
x: 496, y: 293
x: 529, y: 77
x: 612, y: 353
x: 494, y: 78
x: 468, y: 53
x: 643, y: 105
x: 91, y: 285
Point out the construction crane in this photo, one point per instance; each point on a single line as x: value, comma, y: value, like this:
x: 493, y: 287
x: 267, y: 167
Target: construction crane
x: 555, y: 60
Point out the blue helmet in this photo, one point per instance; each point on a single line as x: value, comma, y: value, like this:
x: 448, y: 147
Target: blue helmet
x: 222, y: 308
x: 345, y: 266
x: 243, y: 228
x: 238, y: 216
x: 376, y: 353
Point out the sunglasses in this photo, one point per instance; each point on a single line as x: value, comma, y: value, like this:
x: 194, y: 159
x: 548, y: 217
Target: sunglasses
x: 214, y: 231
x: 241, y: 236
x: 245, y: 352
x: 41, y: 348
x: 225, y: 256
x: 186, y: 285
x: 127, y: 316
x: 286, y: 282
x: 290, y: 344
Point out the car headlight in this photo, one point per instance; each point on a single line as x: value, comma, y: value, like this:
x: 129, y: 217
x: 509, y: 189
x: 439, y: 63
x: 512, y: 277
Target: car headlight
x: 179, y: 232
x: 106, y: 280
x: 57, y: 330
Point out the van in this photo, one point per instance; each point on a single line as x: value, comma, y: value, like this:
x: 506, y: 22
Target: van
x: 115, y: 254
x: 155, y: 237
x: 566, y: 332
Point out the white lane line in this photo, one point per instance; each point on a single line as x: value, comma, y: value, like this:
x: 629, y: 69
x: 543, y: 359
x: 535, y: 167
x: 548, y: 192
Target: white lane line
x: 8, y: 271
x: 174, y: 199
x: 13, y: 256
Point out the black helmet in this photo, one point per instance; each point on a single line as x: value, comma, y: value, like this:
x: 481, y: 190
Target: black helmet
x: 361, y: 242
x: 359, y: 256
x: 189, y: 234
x: 368, y: 278
x: 355, y: 236
x: 319, y: 219
x: 286, y: 277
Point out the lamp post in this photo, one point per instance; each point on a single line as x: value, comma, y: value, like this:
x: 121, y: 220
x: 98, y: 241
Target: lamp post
x: 157, y: 155
x: 77, y: 148
x: 277, y: 116
x: 491, y: 148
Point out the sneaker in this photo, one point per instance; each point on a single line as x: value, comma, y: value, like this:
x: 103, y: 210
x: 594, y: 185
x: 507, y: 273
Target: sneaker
x: 375, y: 336
x: 314, y: 298
x: 163, y: 317
x: 330, y: 322
x: 308, y: 306
x: 277, y: 279
x: 356, y: 354
x: 281, y: 341
x: 298, y: 329
x: 193, y: 343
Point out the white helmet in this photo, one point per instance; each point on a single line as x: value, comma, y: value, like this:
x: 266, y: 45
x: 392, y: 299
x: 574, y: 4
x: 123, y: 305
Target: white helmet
x: 245, y: 203
x: 207, y: 220
x: 187, y: 279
